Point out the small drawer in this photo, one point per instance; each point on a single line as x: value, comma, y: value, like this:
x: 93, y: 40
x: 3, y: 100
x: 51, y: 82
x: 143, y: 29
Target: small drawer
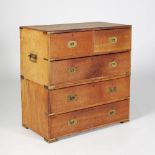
x: 73, y: 122
x: 115, y: 40
x: 81, y: 69
x: 88, y: 95
x: 74, y: 44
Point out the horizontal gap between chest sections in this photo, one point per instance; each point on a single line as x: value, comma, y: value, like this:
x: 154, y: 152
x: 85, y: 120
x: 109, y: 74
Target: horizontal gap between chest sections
x: 86, y: 81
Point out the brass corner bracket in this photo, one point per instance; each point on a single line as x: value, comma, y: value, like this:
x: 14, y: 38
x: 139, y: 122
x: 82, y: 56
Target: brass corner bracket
x: 50, y: 59
x: 21, y: 76
x: 52, y: 87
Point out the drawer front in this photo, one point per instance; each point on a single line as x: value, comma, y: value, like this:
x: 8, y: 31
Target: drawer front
x: 71, y: 44
x: 83, y: 96
x: 112, y: 40
x: 72, y: 122
x: 75, y: 70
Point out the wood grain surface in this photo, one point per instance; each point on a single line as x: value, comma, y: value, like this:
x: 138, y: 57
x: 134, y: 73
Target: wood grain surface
x: 82, y: 69
x: 59, y: 44
x: 74, y: 27
x: 36, y: 43
x: 34, y: 107
x: 103, y: 44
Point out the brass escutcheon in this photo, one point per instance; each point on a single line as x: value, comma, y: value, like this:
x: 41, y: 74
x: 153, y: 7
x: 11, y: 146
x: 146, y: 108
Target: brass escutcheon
x: 113, y: 64
x: 72, y: 44
x: 71, y: 97
x: 112, y: 112
x: 112, y: 89
x: 72, y: 122
x: 72, y: 70
x: 112, y: 40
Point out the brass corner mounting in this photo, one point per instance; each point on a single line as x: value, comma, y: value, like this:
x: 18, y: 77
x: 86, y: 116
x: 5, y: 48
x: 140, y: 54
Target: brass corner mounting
x: 52, y: 87
x: 50, y: 59
x: 21, y: 76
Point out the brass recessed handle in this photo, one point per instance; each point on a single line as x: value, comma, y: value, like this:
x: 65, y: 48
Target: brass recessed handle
x: 72, y: 122
x: 113, y: 64
x: 112, y: 112
x: 112, y: 89
x: 32, y: 57
x: 112, y: 40
x: 71, y: 97
x: 72, y: 70
x: 72, y: 44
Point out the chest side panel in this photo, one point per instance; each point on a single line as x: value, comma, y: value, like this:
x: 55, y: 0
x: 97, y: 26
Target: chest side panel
x: 34, y: 107
x: 33, y: 48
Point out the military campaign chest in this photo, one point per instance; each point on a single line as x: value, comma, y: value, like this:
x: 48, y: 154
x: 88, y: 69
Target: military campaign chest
x: 74, y: 77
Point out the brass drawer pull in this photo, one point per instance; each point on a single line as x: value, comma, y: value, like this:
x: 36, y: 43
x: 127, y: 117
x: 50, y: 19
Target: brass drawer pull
x: 113, y: 40
x: 112, y: 112
x: 113, y: 64
x: 71, y: 97
x: 72, y: 122
x: 112, y: 90
x: 32, y: 57
x: 72, y: 70
x: 72, y: 44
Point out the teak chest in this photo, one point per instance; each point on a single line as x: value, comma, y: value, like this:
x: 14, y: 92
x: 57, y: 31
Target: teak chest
x: 74, y: 77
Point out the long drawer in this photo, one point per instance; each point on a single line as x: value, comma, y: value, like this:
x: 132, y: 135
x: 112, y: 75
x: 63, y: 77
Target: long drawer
x: 83, y: 96
x: 74, y: 70
x: 73, y: 122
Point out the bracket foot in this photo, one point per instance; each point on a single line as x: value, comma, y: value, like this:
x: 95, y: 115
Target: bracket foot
x: 124, y: 121
x: 25, y: 126
x: 51, y: 140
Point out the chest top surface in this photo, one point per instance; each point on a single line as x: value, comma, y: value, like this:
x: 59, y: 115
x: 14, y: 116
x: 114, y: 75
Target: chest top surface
x: 72, y: 27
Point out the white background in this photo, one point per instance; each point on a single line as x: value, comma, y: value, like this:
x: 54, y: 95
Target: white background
x: 132, y: 138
